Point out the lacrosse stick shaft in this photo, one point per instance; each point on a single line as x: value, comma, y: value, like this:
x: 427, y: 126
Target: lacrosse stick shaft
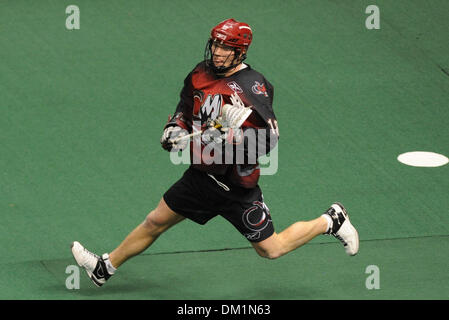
x: 191, y: 135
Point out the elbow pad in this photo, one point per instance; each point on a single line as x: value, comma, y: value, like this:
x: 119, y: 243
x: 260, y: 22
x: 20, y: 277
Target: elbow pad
x: 179, y: 120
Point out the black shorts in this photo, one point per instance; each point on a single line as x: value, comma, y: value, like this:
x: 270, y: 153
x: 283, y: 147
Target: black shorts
x: 200, y: 197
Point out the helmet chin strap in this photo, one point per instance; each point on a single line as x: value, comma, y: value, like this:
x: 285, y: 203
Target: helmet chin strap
x: 224, y: 70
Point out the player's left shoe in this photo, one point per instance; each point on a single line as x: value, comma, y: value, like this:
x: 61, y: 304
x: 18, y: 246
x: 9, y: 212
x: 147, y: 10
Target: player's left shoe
x: 94, y: 265
x: 342, y: 229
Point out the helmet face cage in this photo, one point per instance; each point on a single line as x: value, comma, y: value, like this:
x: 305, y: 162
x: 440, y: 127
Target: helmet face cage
x: 208, y: 57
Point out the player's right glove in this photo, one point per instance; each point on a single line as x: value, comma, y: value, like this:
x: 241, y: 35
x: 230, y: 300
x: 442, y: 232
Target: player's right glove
x: 170, y: 134
x: 174, y: 128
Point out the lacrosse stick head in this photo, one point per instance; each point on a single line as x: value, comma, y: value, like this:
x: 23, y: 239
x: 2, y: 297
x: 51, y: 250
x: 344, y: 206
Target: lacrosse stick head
x: 234, y: 116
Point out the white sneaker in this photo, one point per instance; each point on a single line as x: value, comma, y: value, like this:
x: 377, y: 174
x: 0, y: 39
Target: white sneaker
x: 342, y: 229
x: 92, y: 263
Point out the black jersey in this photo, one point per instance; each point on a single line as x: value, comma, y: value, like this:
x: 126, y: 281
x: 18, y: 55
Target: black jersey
x: 201, y: 99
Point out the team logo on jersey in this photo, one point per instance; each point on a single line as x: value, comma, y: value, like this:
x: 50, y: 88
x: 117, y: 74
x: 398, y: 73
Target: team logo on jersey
x: 211, y: 107
x: 234, y: 87
x: 258, y: 88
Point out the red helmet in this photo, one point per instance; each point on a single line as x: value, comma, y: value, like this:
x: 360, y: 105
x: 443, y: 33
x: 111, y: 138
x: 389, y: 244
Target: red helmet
x: 233, y: 33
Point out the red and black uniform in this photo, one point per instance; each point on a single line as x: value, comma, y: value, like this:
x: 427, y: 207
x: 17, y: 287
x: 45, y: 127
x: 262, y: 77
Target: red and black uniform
x: 228, y: 189
x: 202, y: 98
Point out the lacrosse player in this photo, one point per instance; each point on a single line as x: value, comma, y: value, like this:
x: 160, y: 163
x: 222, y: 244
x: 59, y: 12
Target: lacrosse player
x: 225, y: 116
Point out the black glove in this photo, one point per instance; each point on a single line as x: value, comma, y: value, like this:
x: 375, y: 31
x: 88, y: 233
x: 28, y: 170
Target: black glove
x: 221, y: 135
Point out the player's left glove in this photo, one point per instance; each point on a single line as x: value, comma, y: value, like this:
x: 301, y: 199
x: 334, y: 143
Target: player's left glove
x: 218, y: 134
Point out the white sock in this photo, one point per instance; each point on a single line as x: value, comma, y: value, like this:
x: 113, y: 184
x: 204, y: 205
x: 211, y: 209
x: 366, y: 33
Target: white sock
x: 329, y: 221
x: 109, y: 266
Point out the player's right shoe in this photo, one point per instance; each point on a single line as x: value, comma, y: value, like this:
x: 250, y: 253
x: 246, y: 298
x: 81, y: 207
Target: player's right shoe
x: 93, y: 264
x: 342, y: 229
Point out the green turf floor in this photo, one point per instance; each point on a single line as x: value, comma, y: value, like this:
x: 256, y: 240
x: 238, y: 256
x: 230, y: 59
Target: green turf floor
x: 318, y: 271
x: 81, y: 113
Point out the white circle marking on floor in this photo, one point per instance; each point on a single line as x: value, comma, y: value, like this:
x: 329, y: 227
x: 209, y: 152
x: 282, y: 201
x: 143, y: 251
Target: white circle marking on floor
x: 423, y: 159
